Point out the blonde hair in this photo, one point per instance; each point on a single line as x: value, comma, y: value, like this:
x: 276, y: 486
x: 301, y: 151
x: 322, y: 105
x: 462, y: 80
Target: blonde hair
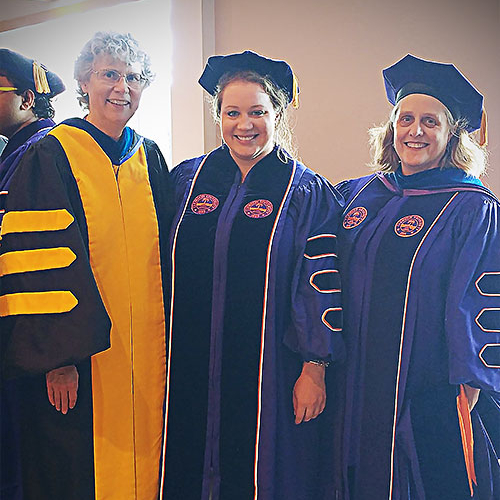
x: 283, y: 135
x: 462, y: 150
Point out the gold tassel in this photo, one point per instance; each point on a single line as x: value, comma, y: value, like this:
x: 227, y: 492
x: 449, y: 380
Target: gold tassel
x: 483, y: 130
x: 295, y: 92
x: 40, y: 78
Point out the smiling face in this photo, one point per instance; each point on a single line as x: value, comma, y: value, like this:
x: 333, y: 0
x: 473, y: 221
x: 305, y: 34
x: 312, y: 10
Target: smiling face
x: 247, y: 122
x: 111, y: 104
x: 421, y: 133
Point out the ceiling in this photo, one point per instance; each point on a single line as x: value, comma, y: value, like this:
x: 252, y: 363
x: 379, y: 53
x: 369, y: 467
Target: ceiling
x: 18, y: 13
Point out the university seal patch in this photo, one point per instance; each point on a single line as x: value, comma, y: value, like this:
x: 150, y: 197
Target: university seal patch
x: 408, y: 226
x: 258, y: 209
x: 354, y: 217
x: 204, y: 204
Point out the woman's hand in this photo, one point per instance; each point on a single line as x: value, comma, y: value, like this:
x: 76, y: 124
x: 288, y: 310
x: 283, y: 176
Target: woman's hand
x: 309, y: 394
x: 62, y: 387
x: 472, y: 395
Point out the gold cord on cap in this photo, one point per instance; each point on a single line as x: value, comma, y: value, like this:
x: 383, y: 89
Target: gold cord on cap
x: 40, y: 78
x: 483, y: 130
x: 295, y: 92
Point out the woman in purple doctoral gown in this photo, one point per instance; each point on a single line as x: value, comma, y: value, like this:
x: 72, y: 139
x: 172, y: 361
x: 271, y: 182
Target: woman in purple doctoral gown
x: 419, y: 248
x: 255, y: 303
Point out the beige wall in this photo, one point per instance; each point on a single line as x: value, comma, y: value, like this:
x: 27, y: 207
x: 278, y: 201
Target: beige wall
x: 187, y: 60
x: 338, y: 48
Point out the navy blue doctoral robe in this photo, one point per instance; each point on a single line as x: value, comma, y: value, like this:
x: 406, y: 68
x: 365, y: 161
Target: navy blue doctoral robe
x: 420, y: 263
x: 14, y: 151
x: 255, y: 293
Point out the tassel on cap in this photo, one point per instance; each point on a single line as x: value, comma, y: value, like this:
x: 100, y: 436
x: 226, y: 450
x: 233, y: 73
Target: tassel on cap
x: 40, y: 79
x: 483, y: 130
x: 30, y: 74
x: 295, y: 93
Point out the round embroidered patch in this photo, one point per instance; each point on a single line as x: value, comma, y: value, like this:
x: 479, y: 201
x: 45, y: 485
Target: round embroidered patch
x: 354, y: 217
x: 204, y: 204
x: 258, y: 209
x: 409, y: 225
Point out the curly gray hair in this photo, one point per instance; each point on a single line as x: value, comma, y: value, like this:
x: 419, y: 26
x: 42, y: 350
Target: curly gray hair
x: 120, y: 46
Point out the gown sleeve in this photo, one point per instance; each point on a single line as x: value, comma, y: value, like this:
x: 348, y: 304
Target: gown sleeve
x: 51, y: 311
x: 182, y: 177
x: 316, y: 325
x: 473, y: 303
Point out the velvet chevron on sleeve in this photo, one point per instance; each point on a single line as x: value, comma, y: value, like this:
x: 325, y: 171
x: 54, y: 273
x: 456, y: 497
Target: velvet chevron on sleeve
x: 48, y: 289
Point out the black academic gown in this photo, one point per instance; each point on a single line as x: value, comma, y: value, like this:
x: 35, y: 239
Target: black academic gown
x: 58, y: 450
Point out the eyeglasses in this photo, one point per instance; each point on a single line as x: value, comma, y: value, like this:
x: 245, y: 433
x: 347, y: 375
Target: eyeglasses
x: 112, y: 77
x: 8, y: 89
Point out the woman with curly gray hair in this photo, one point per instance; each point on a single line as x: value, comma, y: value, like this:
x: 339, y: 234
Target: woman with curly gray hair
x: 85, y: 299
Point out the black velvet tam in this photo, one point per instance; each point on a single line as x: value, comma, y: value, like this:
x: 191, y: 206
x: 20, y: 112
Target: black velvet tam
x: 29, y: 73
x: 279, y: 72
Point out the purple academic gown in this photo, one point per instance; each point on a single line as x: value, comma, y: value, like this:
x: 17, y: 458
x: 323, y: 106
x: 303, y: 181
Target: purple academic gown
x: 255, y: 292
x: 10, y: 479
x: 420, y: 264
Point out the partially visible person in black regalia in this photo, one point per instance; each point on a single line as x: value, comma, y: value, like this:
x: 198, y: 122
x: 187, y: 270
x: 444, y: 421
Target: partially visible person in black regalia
x: 256, y: 314
x: 26, y: 111
x: 82, y: 291
x: 420, y: 262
